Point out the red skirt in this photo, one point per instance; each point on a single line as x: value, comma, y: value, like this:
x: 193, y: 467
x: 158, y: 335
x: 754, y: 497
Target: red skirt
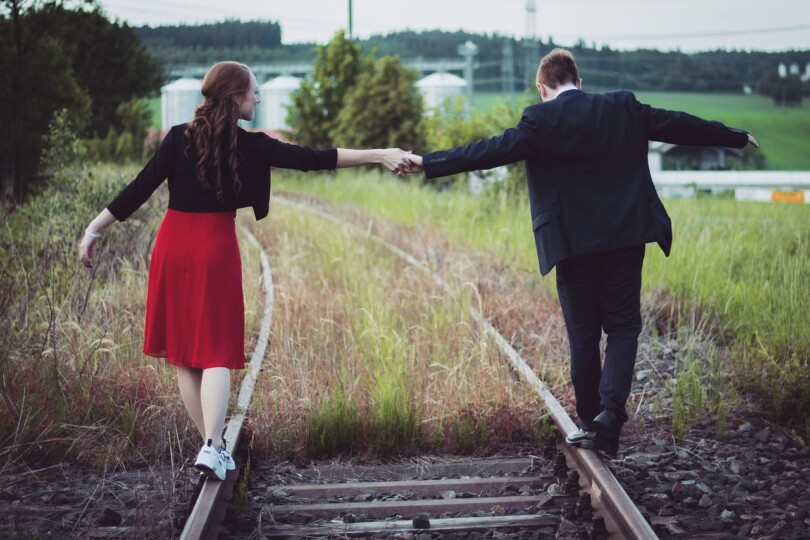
x: 195, y: 311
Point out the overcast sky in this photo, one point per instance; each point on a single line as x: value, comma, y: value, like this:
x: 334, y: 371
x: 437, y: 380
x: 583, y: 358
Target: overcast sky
x: 665, y: 24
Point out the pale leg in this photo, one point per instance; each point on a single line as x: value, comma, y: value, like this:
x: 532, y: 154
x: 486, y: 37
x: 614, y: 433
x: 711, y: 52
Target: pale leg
x: 215, y: 390
x: 189, y: 380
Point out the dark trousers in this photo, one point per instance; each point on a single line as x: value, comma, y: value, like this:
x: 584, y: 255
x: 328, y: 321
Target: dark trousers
x: 602, y: 292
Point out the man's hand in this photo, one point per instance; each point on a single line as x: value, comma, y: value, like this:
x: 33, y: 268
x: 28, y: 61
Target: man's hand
x: 753, y: 141
x: 412, y: 164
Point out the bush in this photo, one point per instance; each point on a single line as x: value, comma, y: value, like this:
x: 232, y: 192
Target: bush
x: 448, y: 126
x: 128, y: 145
x: 69, y: 379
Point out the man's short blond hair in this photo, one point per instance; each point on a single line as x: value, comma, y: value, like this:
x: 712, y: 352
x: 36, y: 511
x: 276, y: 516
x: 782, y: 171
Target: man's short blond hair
x: 558, y: 68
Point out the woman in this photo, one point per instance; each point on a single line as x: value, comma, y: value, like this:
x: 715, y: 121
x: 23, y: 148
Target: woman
x: 194, y: 306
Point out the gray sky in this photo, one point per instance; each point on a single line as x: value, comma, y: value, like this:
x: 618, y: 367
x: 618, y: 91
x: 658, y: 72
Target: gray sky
x: 665, y: 24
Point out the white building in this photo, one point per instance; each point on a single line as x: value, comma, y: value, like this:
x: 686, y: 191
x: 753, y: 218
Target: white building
x: 178, y: 100
x: 704, y: 158
x: 276, y: 96
x: 437, y: 87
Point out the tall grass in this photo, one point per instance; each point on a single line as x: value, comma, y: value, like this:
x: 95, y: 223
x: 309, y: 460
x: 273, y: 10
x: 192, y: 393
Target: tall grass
x: 738, y: 270
x: 368, y: 356
x: 73, y: 382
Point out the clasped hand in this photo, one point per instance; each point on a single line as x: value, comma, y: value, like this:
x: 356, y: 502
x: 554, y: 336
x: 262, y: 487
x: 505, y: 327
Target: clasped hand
x: 401, y: 162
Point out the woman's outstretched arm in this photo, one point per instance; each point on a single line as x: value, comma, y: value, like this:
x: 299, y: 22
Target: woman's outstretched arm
x: 393, y: 159
x: 101, y: 222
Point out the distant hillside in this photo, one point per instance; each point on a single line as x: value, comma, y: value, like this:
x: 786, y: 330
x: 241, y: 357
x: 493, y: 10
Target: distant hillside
x: 602, y: 68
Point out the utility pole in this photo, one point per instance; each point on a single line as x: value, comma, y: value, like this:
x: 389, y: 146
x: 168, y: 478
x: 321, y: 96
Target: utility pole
x: 530, y: 42
x: 350, y: 20
x: 531, y: 19
x: 508, y: 70
x: 468, y: 50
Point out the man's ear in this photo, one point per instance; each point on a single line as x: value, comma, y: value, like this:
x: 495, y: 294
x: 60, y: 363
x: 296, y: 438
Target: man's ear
x: 579, y: 84
x: 543, y: 89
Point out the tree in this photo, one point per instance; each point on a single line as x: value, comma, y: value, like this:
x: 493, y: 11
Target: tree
x: 37, y: 82
x: 317, y: 103
x: 788, y: 92
x: 108, y: 60
x: 57, y: 58
x: 785, y: 91
x: 383, y: 108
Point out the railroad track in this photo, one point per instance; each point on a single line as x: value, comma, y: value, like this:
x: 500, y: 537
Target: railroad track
x: 208, y: 507
x: 565, y: 492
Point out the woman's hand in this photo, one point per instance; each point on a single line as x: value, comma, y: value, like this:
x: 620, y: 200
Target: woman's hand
x: 101, y: 222
x: 399, y: 161
x: 395, y: 160
x: 86, y: 248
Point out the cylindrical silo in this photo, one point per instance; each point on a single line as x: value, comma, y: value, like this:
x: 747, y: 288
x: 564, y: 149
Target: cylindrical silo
x: 276, y: 95
x: 178, y: 101
x: 437, y: 87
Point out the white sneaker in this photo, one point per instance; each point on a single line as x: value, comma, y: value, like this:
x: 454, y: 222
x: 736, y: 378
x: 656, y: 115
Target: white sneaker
x: 227, y: 460
x: 210, y: 463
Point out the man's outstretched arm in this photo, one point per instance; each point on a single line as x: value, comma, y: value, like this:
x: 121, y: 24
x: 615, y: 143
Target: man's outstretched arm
x: 511, y: 146
x: 677, y: 127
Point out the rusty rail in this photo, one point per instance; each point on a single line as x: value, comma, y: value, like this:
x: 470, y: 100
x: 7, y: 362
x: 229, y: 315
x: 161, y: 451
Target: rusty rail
x: 207, y: 510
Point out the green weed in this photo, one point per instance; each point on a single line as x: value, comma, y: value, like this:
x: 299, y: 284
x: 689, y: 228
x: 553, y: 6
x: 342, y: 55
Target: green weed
x: 332, y: 430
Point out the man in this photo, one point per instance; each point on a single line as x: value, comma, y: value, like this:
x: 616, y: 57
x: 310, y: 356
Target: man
x: 593, y: 207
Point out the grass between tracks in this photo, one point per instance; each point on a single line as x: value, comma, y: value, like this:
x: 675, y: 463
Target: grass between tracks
x: 368, y: 356
x: 739, y: 272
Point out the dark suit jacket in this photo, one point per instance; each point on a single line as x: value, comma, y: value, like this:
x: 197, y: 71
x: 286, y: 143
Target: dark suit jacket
x: 589, y: 181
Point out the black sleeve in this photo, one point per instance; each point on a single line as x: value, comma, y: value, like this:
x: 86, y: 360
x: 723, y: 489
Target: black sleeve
x: 139, y: 190
x: 291, y: 156
x: 682, y: 128
x: 511, y: 146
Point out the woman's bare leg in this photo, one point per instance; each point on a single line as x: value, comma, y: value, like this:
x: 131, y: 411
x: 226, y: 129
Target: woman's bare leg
x: 189, y: 380
x: 214, y: 394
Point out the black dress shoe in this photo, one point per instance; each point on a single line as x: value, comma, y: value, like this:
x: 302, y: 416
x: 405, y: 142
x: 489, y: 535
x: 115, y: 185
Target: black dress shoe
x: 607, y: 430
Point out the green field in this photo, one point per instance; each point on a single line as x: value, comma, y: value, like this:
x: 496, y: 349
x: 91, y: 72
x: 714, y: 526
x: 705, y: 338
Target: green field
x: 784, y: 133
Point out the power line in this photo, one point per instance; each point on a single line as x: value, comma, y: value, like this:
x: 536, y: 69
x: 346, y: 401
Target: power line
x: 174, y: 8
x: 691, y: 35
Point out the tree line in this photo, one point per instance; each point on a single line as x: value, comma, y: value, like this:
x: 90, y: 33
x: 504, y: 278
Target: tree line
x: 66, y: 59
x: 603, y: 67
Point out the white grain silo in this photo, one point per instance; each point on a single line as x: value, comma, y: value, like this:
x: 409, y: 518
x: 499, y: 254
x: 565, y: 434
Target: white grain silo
x: 178, y: 101
x: 437, y: 87
x: 276, y: 95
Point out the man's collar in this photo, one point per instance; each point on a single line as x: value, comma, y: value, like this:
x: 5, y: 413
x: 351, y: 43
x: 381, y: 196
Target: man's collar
x: 566, y: 88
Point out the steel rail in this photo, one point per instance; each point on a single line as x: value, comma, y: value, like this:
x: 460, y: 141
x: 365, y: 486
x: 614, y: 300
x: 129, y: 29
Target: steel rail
x: 205, y: 509
x: 624, y: 519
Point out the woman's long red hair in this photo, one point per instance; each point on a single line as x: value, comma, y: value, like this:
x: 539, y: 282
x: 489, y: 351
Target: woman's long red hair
x: 214, y: 125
